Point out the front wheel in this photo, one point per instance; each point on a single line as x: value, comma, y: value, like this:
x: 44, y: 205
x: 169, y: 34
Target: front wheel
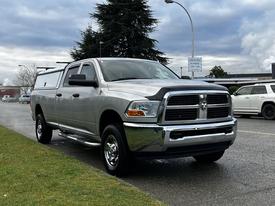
x: 43, y: 132
x: 208, y: 158
x: 268, y: 112
x: 115, y: 152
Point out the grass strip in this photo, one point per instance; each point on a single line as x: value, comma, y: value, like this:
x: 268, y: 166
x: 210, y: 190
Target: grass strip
x: 33, y: 174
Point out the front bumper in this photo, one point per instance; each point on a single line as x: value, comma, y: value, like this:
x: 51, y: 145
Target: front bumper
x: 153, y: 138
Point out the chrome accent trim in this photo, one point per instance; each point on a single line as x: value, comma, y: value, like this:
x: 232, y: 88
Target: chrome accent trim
x: 53, y: 124
x: 196, y: 106
x: 156, y: 138
x: 218, y: 105
x: 202, y: 107
x: 90, y: 144
x: 61, y: 126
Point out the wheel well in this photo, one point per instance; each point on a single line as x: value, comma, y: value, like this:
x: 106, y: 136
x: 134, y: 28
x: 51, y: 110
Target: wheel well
x: 108, y: 117
x: 266, y: 104
x: 38, y: 110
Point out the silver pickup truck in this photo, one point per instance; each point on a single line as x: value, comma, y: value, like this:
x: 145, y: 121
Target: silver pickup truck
x: 133, y: 108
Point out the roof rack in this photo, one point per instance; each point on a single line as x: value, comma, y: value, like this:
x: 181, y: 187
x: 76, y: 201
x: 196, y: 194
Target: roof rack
x: 46, y: 68
x: 63, y: 62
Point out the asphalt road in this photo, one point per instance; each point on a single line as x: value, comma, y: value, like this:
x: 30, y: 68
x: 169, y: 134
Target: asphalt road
x: 244, y: 176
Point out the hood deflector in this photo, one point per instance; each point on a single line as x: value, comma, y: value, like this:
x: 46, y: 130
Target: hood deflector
x: 159, y: 96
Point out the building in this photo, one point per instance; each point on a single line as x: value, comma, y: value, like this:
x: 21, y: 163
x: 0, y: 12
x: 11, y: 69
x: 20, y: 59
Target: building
x: 258, y: 76
x: 13, y: 91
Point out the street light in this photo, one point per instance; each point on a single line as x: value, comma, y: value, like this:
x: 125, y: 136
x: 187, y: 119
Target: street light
x: 21, y: 65
x: 192, y: 27
x: 100, y: 47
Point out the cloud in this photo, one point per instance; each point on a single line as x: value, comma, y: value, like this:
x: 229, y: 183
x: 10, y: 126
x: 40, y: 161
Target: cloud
x: 11, y: 57
x: 43, y: 23
x: 258, y: 39
x: 7, y: 82
x: 230, y: 63
x: 238, y: 35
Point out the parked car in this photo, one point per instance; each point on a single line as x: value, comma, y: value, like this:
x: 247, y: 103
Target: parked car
x: 8, y: 98
x: 258, y: 99
x: 134, y: 109
x: 5, y: 97
x: 25, y: 98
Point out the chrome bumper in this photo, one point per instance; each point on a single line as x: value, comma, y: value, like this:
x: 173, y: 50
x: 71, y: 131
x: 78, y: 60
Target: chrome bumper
x: 156, y: 138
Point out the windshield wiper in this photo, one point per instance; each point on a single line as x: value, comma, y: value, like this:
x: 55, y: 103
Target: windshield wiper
x: 128, y: 78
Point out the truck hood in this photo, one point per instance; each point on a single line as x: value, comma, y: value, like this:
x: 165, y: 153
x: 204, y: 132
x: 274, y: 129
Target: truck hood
x: 156, y: 89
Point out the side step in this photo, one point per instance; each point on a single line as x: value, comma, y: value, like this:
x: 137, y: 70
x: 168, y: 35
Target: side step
x: 74, y: 138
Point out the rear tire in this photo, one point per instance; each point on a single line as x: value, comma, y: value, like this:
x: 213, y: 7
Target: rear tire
x: 268, y: 111
x: 115, y: 153
x: 43, y: 132
x: 209, y: 158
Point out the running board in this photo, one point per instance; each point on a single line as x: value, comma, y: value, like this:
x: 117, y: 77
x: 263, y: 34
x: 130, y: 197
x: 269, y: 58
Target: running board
x: 90, y: 144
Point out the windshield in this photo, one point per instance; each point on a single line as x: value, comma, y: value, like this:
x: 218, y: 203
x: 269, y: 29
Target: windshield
x: 116, y: 70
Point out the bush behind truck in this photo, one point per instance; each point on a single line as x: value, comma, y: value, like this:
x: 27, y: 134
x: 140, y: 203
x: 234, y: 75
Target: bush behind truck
x: 134, y: 109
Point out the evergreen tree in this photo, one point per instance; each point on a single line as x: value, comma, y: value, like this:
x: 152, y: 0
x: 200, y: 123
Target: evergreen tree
x: 88, y: 47
x: 124, y: 30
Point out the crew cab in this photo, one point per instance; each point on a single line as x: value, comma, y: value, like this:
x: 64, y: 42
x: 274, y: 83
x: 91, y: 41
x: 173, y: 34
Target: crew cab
x: 133, y: 108
x: 256, y: 99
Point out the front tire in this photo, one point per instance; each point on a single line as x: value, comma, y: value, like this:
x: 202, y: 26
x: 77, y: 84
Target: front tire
x: 114, y: 151
x: 268, y: 111
x: 43, y: 132
x: 209, y: 158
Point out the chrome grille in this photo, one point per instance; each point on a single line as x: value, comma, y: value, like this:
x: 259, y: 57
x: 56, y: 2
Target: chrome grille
x: 181, y: 114
x: 206, y: 106
x: 182, y: 100
x: 218, y: 112
x: 217, y: 99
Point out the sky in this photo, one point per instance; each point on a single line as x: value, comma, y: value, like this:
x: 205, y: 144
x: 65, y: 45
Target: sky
x: 237, y: 35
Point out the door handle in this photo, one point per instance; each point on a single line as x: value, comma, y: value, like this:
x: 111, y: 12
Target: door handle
x: 247, y: 98
x: 59, y: 95
x: 76, y: 95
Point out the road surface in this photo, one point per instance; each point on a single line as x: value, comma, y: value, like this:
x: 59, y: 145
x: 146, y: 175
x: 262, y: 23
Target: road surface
x: 244, y: 176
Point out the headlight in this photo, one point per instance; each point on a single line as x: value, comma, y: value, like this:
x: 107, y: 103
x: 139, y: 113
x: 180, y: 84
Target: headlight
x: 143, y: 109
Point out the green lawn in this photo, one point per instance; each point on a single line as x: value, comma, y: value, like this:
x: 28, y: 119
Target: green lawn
x: 33, y: 174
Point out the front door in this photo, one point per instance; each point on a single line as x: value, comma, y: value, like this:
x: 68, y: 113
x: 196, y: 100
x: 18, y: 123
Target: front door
x: 84, y: 103
x: 242, y: 100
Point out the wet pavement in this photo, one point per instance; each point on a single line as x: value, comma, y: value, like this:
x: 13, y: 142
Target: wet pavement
x: 244, y: 176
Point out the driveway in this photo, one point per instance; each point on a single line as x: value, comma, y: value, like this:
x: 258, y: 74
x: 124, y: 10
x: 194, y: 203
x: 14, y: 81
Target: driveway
x: 244, y: 176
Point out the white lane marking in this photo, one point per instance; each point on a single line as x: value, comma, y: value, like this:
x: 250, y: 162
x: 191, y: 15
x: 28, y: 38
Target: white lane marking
x: 254, y: 132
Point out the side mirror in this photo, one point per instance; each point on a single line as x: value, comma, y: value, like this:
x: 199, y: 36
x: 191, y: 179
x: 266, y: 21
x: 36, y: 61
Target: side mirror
x: 235, y: 94
x: 80, y: 80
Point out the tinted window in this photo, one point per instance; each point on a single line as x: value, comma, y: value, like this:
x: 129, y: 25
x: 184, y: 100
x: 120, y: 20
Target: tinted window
x: 115, y: 70
x: 259, y: 90
x: 71, y: 71
x: 273, y: 88
x: 47, y: 80
x: 89, y: 71
x: 245, y: 91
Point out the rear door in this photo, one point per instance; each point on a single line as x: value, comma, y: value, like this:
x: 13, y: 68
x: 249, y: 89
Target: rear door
x: 64, y: 98
x: 258, y: 96
x: 242, y: 101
